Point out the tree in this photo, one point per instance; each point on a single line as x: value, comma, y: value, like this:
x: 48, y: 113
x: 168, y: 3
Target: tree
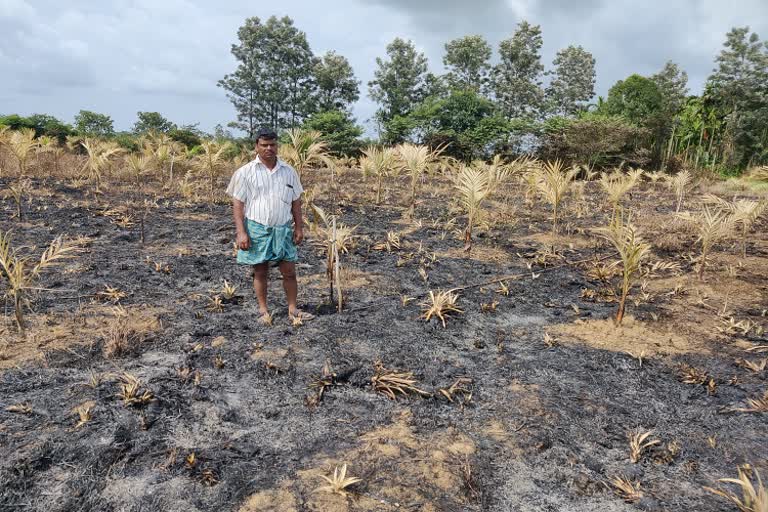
x: 468, y: 124
x: 273, y: 84
x: 636, y: 98
x: 339, y: 131
x: 739, y: 88
x: 152, y: 122
x: 574, y: 81
x: 399, y: 83
x: 92, y: 124
x: 516, y: 80
x: 467, y: 60
x: 673, y: 86
x: 337, y: 87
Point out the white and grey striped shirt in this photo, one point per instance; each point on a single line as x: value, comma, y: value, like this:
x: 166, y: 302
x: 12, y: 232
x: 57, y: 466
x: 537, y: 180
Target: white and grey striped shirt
x: 267, y: 194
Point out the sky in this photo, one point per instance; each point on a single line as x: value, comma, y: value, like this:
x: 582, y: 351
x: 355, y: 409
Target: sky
x: 123, y: 56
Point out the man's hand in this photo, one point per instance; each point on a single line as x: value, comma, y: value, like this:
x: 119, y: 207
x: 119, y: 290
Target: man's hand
x: 243, y: 241
x: 298, y: 235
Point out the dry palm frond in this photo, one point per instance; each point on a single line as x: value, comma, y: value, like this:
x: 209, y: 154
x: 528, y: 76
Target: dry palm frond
x: 139, y: 166
x: 632, y: 249
x: 626, y: 489
x: 84, y: 412
x: 112, y: 294
x: 440, y: 305
x: 215, y: 304
x: 380, y: 162
x: 304, y: 150
x: 680, y: 184
x: 345, y: 238
x: 754, y: 495
x: 391, y: 383
x: 22, y: 274
x: 211, y: 163
x: 742, y: 211
x: 20, y: 408
x: 100, y: 155
x: 552, y: 184
x: 460, y: 386
x: 21, y: 143
x: 638, y: 444
x: 17, y: 191
x: 473, y: 187
x: 326, y: 381
x: 228, y: 291
x: 617, y: 184
x: 415, y: 160
x: 503, y: 288
x: 755, y: 366
x: 759, y: 173
x: 338, y: 483
x: 712, y: 225
x: 656, y: 176
x: 392, y: 243
x: 132, y: 391
x: 759, y: 404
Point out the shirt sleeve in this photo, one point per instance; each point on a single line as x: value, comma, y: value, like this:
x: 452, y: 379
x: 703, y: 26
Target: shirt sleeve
x: 238, y: 188
x: 297, y: 188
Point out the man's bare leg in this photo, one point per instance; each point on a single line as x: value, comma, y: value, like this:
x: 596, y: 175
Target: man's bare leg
x: 290, y: 285
x: 260, y: 278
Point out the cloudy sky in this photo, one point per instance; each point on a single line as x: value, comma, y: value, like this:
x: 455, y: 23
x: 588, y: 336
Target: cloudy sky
x: 124, y: 56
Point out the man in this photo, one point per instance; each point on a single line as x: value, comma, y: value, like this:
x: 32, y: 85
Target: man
x: 266, y: 200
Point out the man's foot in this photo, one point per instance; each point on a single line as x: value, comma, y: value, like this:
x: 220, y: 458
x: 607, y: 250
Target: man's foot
x: 265, y: 318
x: 298, y: 317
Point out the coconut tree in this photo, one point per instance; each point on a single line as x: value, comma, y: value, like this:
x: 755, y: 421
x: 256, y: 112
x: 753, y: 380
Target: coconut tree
x: 21, y: 143
x: 552, y: 183
x: 680, y: 184
x: 712, y: 225
x: 304, y: 150
x: 380, y: 162
x: 211, y: 163
x: 415, y: 160
x: 100, y: 154
x: 632, y: 249
x: 617, y: 184
x: 473, y: 187
x: 744, y: 212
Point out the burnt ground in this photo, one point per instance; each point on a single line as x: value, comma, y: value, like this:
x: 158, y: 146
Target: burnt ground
x: 231, y: 423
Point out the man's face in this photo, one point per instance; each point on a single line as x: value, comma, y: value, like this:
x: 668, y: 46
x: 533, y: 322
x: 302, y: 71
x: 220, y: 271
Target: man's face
x: 266, y: 149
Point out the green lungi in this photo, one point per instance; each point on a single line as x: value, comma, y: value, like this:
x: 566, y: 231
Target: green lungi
x: 268, y: 243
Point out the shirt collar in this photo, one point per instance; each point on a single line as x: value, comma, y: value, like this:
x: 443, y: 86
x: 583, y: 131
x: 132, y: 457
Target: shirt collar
x: 279, y: 164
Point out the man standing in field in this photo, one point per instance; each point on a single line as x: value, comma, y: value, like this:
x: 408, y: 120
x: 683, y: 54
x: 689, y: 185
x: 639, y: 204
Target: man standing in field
x: 266, y: 200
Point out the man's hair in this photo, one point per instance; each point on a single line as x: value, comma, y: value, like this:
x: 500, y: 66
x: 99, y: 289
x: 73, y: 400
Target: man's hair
x: 266, y: 134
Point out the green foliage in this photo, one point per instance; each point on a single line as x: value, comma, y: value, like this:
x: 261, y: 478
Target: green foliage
x: 466, y: 122
x: 596, y: 139
x: 516, y: 80
x: 273, y: 83
x: 337, y: 87
x: 127, y: 141
x: 339, y: 131
x: 468, y: 62
x: 399, y: 83
x: 573, y: 82
x: 636, y: 98
x: 189, y: 135
x: 152, y: 122
x: 43, y: 124
x: 92, y: 124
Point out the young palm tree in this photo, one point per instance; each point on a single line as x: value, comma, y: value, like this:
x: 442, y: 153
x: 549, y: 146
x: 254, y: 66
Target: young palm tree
x: 415, y: 160
x: 379, y: 162
x: 617, y: 184
x: 139, y: 165
x: 304, y: 150
x: 552, y: 183
x: 681, y: 183
x: 712, y: 226
x: 22, y: 274
x: 211, y: 163
x: 473, y: 187
x: 100, y: 154
x: 632, y: 249
x: 743, y: 211
x: 21, y: 143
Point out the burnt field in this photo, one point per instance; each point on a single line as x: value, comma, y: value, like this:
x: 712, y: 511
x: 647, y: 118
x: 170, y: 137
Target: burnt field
x: 142, y: 384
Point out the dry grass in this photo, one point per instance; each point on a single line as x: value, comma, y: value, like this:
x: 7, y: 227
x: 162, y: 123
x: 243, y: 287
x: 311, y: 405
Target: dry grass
x: 626, y: 489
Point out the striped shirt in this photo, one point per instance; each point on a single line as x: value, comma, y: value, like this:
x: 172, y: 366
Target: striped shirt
x: 267, y: 194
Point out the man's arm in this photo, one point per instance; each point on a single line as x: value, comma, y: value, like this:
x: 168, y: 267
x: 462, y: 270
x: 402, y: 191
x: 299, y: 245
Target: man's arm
x: 298, y: 221
x: 238, y: 209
